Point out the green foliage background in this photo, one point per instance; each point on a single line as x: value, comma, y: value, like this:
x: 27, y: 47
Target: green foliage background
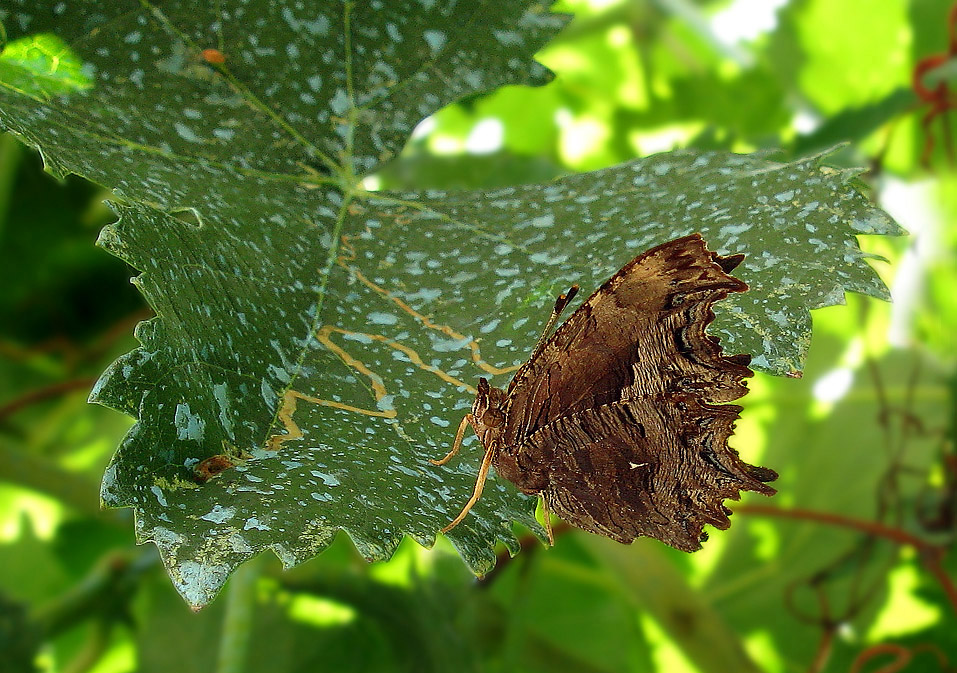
x: 773, y: 593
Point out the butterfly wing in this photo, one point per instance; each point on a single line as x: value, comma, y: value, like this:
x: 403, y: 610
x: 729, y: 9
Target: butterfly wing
x: 642, y: 331
x: 631, y: 469
x: 619, y: 421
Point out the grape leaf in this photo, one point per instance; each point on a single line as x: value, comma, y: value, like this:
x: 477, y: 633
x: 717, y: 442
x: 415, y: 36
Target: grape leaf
x: 325, y: 339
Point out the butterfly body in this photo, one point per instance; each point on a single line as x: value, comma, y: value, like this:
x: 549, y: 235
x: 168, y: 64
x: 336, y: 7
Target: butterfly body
x: 619, y: 420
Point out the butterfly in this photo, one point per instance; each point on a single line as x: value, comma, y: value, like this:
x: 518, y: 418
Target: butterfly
x: 619, y: 420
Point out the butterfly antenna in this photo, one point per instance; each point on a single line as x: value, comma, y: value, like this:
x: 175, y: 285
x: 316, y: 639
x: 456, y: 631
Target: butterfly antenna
x: 561, y: 303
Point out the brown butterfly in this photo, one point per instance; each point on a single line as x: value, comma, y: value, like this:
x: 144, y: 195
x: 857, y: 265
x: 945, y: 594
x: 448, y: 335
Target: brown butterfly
x: 617, y: 421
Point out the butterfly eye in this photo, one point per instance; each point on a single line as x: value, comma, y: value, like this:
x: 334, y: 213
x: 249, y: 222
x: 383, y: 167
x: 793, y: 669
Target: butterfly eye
x: 494, y: 418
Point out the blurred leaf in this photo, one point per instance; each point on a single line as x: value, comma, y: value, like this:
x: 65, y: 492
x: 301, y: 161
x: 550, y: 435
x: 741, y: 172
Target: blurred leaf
x: 856, y: 123
x: 866, y: 41
x: 19, y: 639
x: 929, y: 26
x: 56, y: 289
x: 934, y: 267
x: 558, y: 610
x: 79, y: 543
x: 652, y: 581
x: 748, y: 106
x: 326, y: 618
x: 298, y: 312
x: 942, y: 634
x: 30, y: 568
x: 840, y: 462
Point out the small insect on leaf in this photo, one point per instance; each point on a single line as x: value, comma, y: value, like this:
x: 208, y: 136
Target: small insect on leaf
x: 212, y: 467
x: 214, y: 56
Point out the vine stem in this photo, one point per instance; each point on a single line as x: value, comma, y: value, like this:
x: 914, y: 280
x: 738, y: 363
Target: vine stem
x: 930, y: 554
x: 823, y: 651
x: 45, y: 393
x: 238, y: 620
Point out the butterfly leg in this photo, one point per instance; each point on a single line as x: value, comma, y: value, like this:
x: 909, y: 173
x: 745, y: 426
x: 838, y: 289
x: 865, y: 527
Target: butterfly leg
x: 479, y: 485
x: 457, y: 444
x: 547, y: 518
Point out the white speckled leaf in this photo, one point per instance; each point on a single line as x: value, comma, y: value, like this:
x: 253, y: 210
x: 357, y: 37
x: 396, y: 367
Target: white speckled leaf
x: 326, y: 336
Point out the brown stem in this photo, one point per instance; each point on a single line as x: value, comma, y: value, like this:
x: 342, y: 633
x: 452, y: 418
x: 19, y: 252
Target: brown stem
x: 932, y: 562
x: 871, y: 527
x: 44, y: 393
x: 528, y: 543
x: 902, y: 657
x: 823, y: 652
x: 931, y: 554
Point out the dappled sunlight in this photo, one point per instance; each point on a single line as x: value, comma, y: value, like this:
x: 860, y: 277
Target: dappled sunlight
x: 27, y: 512
x: 834, y: 385
x: 767, y: 538
x: 581, y: 136
x: 704, y: 561
x: 319, y: 611
x: 404, y: 565
x: 911, y: 204
x: 652, y: 141
x: 761, y: 408
x: 372, y: 183
x: 904, y: 611
x: 665, y: 655
x: 120, y: 657
x: 43, y: 65
x: 486, y: 136
x: 761, y: 646
x: 746, y: 20
x: 875, y: 53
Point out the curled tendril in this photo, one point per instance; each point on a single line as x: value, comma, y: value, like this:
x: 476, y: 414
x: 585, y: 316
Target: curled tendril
x: 939, y: 98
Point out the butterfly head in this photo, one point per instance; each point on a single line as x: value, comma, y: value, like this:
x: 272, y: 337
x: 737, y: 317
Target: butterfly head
x: 488, y: 412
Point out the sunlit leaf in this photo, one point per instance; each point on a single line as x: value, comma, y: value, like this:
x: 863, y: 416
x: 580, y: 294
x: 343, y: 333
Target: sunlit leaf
x: 866, y: 40
x: 42, y: 66
x: 856, y: 123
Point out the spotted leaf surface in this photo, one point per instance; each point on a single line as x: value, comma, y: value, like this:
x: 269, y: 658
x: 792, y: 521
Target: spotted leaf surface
x: 315, y: 344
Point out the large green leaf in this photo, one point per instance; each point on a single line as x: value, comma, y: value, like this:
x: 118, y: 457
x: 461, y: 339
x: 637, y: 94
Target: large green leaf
x: 327, y: 337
